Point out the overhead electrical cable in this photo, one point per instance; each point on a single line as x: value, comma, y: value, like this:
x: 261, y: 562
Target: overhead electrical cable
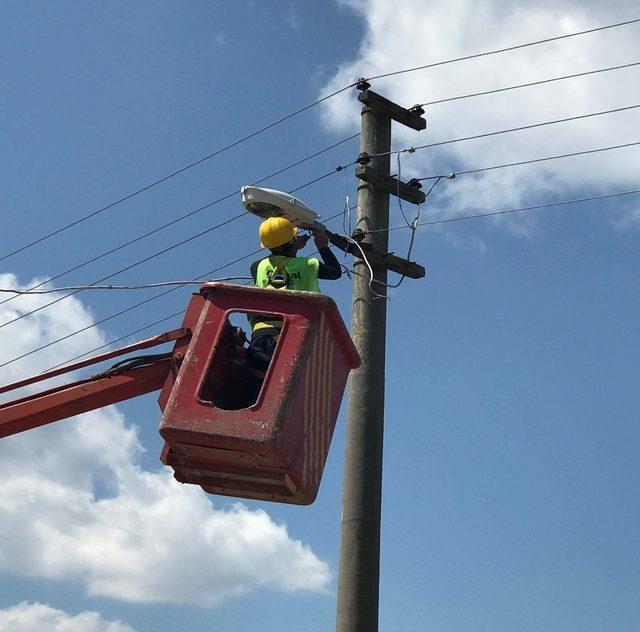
x: 136, y: 305
x: 131, y: 333
x: 507, y: 131
x: 176, y: 172
x: 323, y: 176
x: 504, y: 50
x: 125, y: 269
x: 522, y: 209
x: 185, y: 216
x: 119, y: 339
x: 162, y: 251
x: 528, y: 85
x: 296, y: 113
x: 142, y: 286
x: 529, y: 162
x: 427, y: 223
x: 123, y: 311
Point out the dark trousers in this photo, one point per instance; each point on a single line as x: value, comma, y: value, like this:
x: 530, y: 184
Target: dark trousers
x: 261, y: 350
x: 259, y: 354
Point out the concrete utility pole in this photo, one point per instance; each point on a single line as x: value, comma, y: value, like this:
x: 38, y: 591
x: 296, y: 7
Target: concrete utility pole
x: 358, y: 582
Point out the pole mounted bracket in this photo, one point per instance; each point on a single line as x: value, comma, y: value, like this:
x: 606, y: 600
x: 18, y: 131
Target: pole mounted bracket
x: 376, y: 258
x: 411, y: 118
x: 408, y: 192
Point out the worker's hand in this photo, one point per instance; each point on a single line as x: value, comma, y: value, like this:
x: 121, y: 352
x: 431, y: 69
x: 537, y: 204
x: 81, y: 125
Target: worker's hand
x: 301, y: 241
x: 320, y: 237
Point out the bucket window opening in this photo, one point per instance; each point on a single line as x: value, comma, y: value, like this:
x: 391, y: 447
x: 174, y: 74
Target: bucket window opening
x: 235, y: 376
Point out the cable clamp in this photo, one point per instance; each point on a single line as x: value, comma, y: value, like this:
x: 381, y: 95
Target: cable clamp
x: 414, y: 182
x: 450, y: 176
x: 363, y: 159
x: 363, y: 84
x: 417, y: 109
x: 409, y: 150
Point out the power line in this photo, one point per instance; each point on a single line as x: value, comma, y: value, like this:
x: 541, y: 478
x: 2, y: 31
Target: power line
x: 126, y: 268
x: 120, y: 338
x: 514, y: 210
x: 323, y: 176
x: 527, y: 85
x: 108, y: 344
x: 121, y: 312
x: 143, y: 286
x: 136, y: 305
x: 185, y: 216
x: 504, y: 50
x: 137, y: 331
x: 290, y: 116
x: 158, y: 253
x: 528, y: 162
x: 507, y: 131
x: 176, y: 172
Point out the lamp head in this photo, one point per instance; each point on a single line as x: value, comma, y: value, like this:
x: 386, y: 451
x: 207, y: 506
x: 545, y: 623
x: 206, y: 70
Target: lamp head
x: 267, y: 203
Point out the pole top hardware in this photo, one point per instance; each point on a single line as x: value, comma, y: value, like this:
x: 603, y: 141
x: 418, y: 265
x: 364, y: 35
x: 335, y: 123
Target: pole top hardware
x: 401, y: 115
x: 375, y: 257
x: 363, y: 84
x: 417, y: 109
x: 414, y: 182
x: 363, y: 159
x: 390, y: 184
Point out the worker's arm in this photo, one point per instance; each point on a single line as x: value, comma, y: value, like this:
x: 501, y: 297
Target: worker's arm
x: 329, y: 267
x: 254, y: 270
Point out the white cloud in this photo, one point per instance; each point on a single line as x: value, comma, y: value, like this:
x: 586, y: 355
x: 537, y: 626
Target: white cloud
x: 29, y: 617
x: 75, y: 505
x: 631, y: 219
x: 48, y: 324
x: 406, y: 33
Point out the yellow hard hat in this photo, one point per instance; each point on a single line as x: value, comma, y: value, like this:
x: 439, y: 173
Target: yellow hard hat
x: 276, y: 231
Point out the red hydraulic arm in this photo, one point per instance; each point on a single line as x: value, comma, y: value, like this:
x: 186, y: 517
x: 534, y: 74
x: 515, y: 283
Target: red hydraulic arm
x: 94, y: 392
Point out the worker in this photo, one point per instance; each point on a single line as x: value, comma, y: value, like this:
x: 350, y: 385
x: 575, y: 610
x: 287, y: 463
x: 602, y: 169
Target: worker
x: 284, y: 269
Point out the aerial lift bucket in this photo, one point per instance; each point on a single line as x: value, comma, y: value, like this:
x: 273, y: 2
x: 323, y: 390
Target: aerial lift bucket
x: 228, y: 427
x: 272, y: 446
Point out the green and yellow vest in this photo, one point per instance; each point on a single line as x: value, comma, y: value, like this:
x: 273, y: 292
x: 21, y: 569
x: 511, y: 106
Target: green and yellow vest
x: 300, y: 273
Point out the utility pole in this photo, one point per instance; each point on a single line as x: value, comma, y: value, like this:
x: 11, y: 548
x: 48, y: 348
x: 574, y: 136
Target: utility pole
x: 359, y: 575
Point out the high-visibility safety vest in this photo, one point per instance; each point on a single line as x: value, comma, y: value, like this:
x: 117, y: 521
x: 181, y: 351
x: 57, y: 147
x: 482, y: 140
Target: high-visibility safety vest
x: 300, y: 273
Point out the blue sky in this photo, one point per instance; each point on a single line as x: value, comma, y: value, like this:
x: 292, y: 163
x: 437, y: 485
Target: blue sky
x: 510, y: 483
